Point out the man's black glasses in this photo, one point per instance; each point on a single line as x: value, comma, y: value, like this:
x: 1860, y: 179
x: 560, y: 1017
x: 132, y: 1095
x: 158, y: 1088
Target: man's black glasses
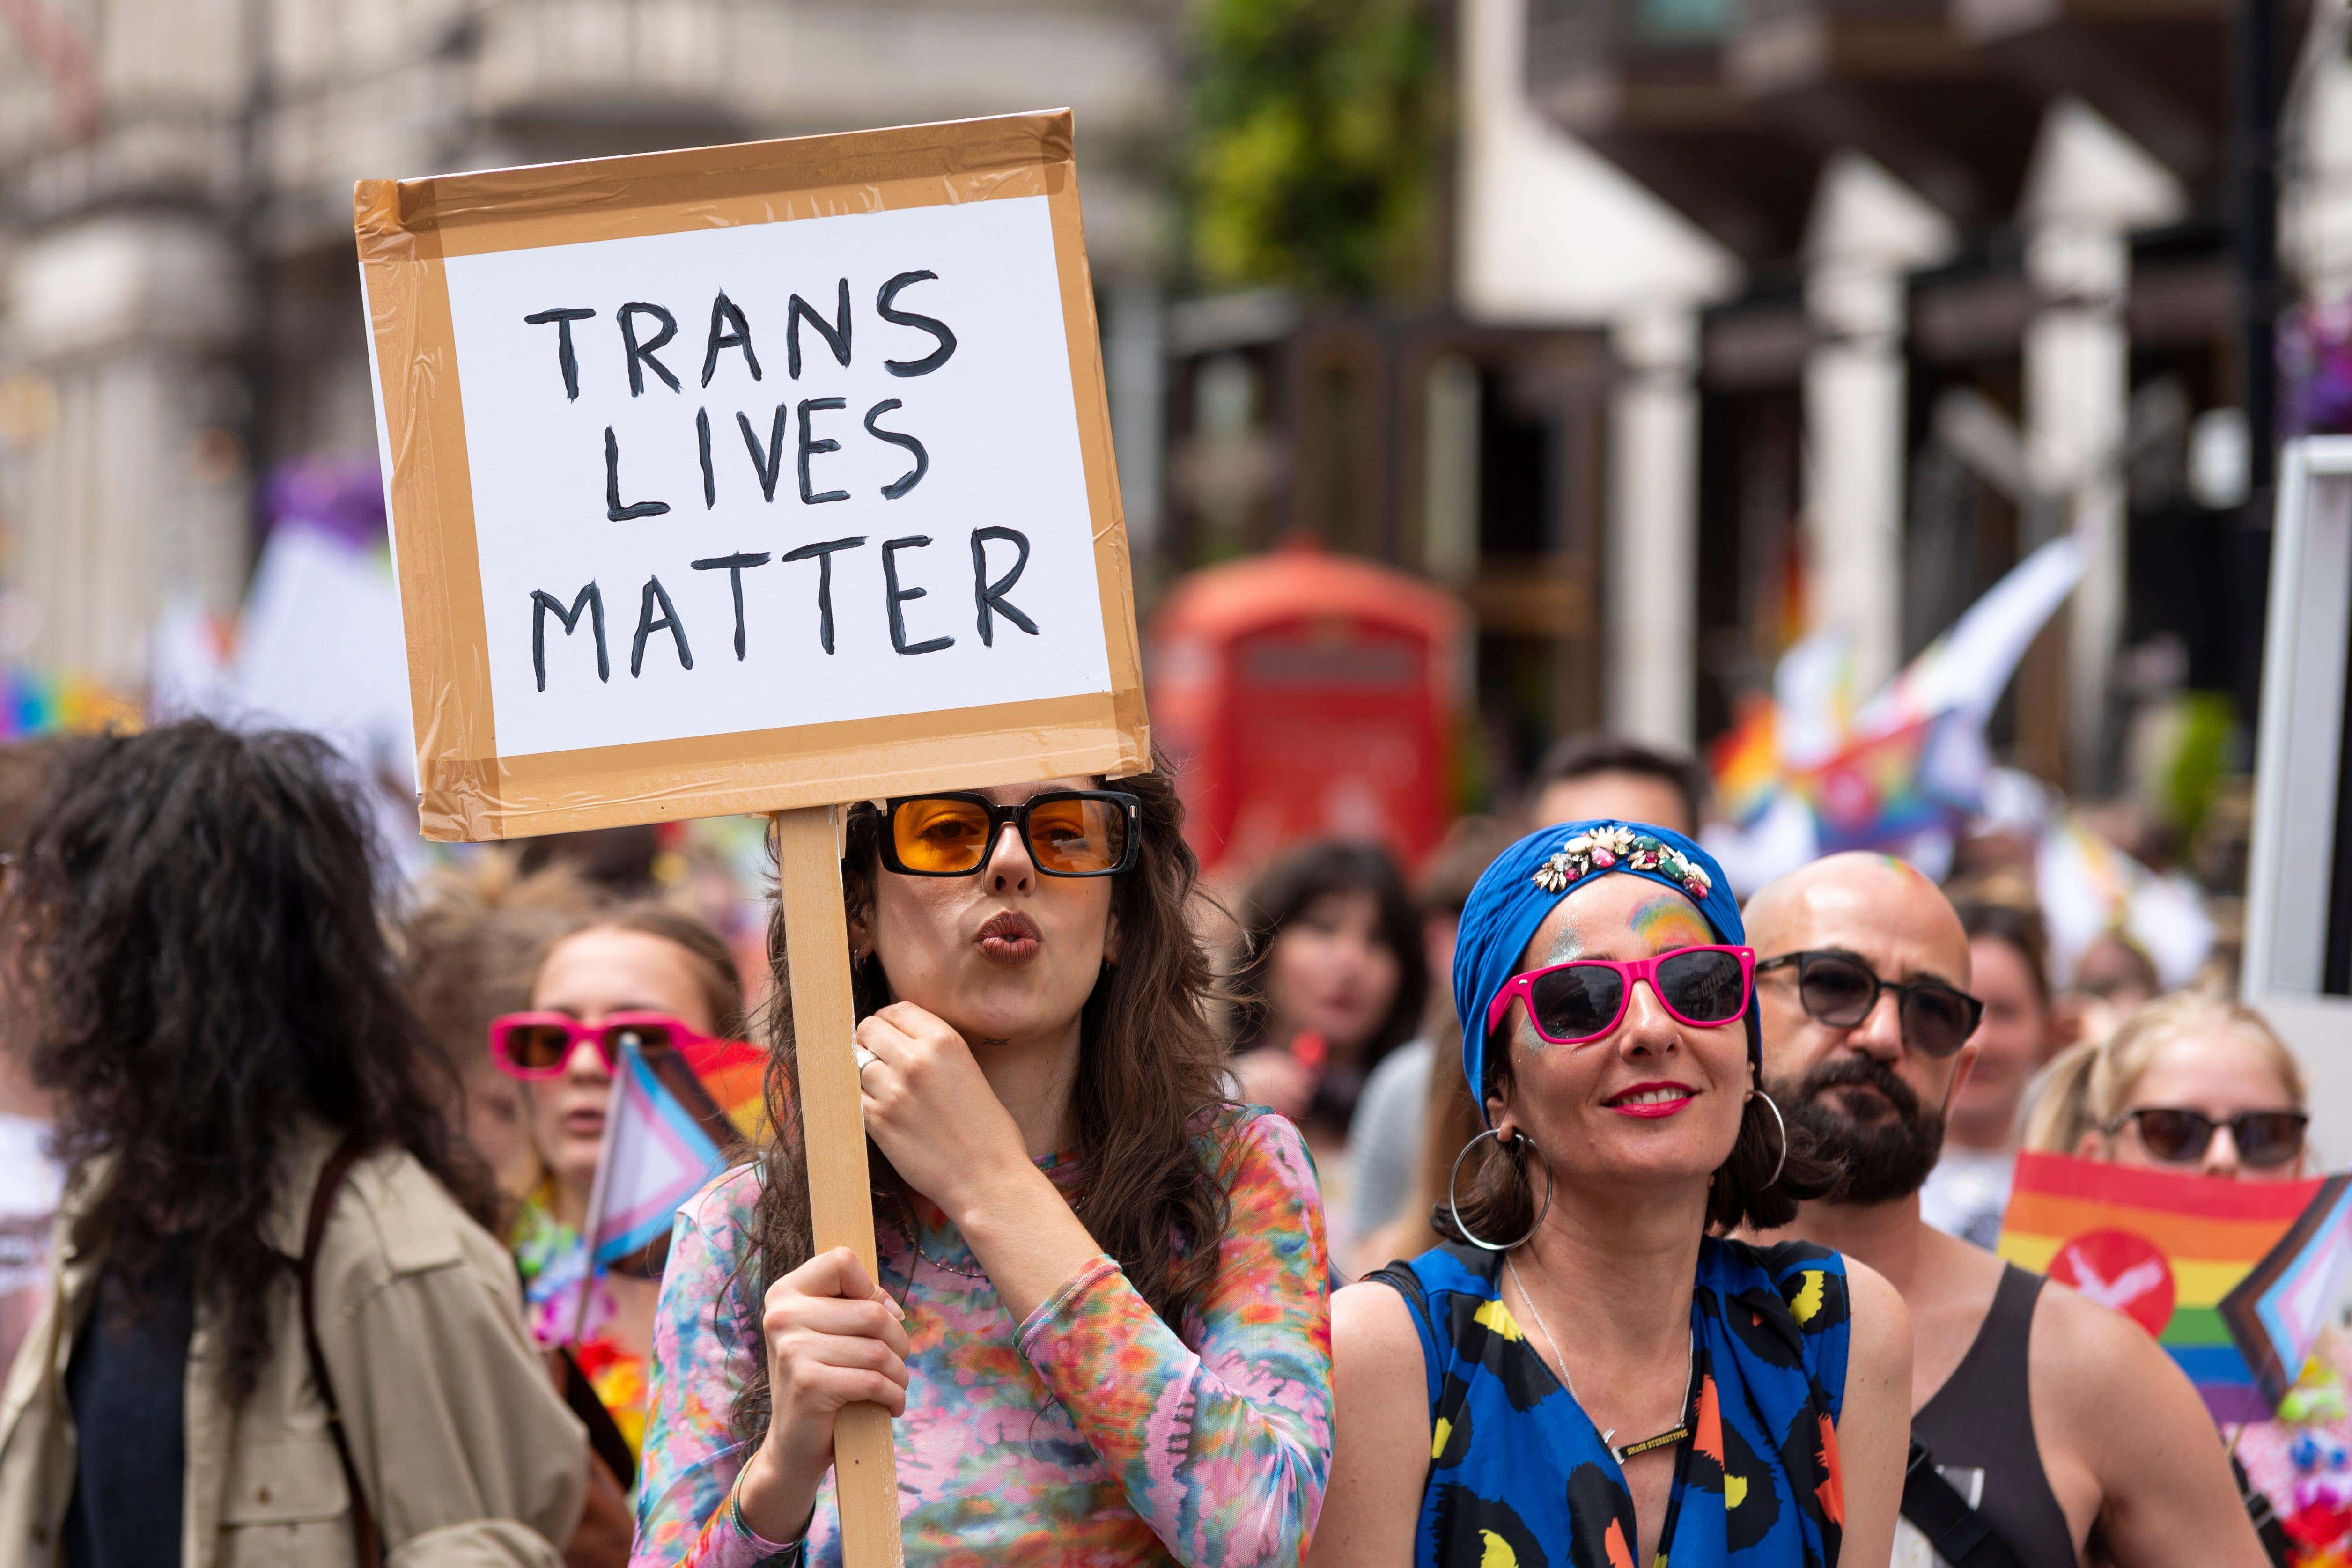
x: 1839, y: 989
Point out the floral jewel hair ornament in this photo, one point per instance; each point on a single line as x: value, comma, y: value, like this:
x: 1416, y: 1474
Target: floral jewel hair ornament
x: 1527, y: 879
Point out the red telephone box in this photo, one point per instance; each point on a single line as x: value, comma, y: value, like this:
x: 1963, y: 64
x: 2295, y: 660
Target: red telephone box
x: 1305, y: 695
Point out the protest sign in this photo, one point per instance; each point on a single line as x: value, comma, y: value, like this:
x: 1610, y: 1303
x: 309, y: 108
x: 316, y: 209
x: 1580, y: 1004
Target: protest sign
x: 750, y: 477
x: 755, y: 478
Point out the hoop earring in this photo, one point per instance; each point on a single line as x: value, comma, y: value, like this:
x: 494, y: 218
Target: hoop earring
x: 1453, y: 1207
x: 1782, y: 1163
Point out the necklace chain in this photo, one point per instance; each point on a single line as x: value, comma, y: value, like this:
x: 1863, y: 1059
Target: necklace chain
x: 1568, y: 1381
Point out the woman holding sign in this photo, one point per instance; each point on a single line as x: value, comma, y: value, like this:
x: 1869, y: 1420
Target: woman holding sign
x: 1584, y: 1376
x: 1101, y: 1321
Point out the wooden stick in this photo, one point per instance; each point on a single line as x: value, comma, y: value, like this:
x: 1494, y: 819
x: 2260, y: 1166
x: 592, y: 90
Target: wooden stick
x: 833, y: 1125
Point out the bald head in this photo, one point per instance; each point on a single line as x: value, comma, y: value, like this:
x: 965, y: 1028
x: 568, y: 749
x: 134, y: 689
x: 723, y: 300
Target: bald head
x: 1861, y: 902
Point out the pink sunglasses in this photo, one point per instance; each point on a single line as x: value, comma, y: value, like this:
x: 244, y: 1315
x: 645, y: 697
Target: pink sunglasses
x: 538, y: 1045
x: 1585, y: 998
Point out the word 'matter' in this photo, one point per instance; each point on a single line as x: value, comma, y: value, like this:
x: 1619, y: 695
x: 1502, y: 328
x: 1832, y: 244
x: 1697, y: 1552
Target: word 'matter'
x: 657, y: 612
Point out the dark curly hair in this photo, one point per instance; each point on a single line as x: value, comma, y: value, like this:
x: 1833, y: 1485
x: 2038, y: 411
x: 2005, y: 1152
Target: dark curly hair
x: 1149, y: 1090
x: 196, y: 968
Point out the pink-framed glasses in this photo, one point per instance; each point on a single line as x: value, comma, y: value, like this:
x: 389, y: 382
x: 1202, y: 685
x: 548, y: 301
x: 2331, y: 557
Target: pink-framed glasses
x: 538, y: 1045
x: 1585, y: 998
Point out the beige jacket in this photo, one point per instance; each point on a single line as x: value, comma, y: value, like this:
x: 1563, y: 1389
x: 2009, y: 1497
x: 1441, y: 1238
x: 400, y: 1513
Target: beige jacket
x: 466, y: 1452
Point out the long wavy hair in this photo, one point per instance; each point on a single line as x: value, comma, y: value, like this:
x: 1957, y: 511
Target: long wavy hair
x: 195, y: 967
x: 1148, y: 1087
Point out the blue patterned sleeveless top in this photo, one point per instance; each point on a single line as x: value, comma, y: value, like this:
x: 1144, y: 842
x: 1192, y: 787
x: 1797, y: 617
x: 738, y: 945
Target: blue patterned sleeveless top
x: 1520, y: 1478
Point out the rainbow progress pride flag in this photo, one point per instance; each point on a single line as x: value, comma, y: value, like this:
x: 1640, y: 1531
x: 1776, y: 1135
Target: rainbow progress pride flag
x: 2161, y: 1247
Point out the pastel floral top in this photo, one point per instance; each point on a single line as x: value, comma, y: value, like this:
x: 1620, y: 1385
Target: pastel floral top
x: 550, y: 1258
x: 1092, y: 1434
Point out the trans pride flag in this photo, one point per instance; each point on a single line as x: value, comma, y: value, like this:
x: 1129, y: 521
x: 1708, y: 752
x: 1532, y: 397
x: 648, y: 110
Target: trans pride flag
x: 2166, y: 1250
x: 675, y: 1118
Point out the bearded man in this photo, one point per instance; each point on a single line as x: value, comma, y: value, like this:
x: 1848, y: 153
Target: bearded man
x: 2049, y: 1420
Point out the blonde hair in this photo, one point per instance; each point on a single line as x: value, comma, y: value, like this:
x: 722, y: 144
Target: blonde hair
x: 2085, y: 1088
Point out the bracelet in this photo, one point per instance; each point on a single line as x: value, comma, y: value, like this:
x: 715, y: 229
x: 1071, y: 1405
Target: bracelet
x: 793, y: 1556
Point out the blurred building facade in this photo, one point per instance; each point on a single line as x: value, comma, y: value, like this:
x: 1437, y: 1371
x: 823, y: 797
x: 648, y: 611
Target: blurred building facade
x: 1760, y: 315
x: 177, y: 283
x: 1977, y: 282
x: 1771, y: 315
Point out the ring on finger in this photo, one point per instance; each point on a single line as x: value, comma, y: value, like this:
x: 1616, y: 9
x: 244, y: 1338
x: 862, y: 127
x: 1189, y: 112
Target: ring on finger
x: 865, y: 1059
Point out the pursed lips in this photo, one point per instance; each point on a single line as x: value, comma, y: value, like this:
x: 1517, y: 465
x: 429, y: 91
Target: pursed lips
x: 1008, y: 936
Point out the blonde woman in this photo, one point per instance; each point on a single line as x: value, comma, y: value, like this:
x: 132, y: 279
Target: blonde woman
x: 2187, y: 1083
x: 2194, y: 1084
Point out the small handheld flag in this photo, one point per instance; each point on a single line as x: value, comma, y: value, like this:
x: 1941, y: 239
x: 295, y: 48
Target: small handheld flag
x: 2161, y: 1247
x: 667, y: 1134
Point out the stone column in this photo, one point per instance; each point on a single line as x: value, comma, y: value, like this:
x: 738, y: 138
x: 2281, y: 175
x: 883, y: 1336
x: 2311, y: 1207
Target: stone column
x: 129, y: 488
x: 2088, y: 188
x: 1868, y: 233
x: 1650, y: 610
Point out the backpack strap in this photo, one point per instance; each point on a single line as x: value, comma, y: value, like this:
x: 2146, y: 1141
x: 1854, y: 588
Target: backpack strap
x: 1959, y: 1533
x: 605, y: 1438
x: 367, y: 1541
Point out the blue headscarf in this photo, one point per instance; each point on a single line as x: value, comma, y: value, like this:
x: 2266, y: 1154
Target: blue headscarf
x: 1533, y: 875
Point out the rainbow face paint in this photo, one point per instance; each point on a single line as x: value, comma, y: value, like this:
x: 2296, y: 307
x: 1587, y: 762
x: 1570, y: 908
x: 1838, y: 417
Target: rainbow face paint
x: 1666, y: 923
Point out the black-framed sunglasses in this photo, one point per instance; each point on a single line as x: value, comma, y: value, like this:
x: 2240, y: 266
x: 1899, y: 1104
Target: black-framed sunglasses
x: 1840, y: 991
x: 1068, y: 832
x: 2178, y: 1136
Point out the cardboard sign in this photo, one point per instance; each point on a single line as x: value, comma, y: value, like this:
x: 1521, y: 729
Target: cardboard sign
x: 750, y: 479
x: 759, y: 478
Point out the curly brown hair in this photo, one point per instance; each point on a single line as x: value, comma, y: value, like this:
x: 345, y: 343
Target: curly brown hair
x: 1149, y: 1089
x: 197, y: 967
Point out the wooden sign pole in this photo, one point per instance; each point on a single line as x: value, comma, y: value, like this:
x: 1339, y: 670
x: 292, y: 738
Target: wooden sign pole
x: 833, y: 1128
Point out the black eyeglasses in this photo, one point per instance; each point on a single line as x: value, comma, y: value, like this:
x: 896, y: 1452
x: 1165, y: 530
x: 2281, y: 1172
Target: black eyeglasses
x: 1068, y: 832
x: 1839, y: 990
x: 2178, y: 1136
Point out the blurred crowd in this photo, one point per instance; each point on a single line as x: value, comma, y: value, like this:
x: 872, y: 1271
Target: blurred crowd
x: 1340, y: 1014
x: 524, y: 968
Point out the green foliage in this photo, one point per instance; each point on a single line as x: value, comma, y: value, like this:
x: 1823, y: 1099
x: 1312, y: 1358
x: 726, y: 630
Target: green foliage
x: 2208, y: 725
x: 1318, y: 131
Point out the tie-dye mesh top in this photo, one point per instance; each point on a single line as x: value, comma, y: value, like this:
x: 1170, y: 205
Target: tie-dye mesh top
x: 1518, y: 1475
x: 1088, y: 1435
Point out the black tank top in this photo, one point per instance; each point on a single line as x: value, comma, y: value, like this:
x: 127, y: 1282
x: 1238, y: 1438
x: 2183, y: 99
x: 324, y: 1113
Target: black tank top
x: 1983, y: 1419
